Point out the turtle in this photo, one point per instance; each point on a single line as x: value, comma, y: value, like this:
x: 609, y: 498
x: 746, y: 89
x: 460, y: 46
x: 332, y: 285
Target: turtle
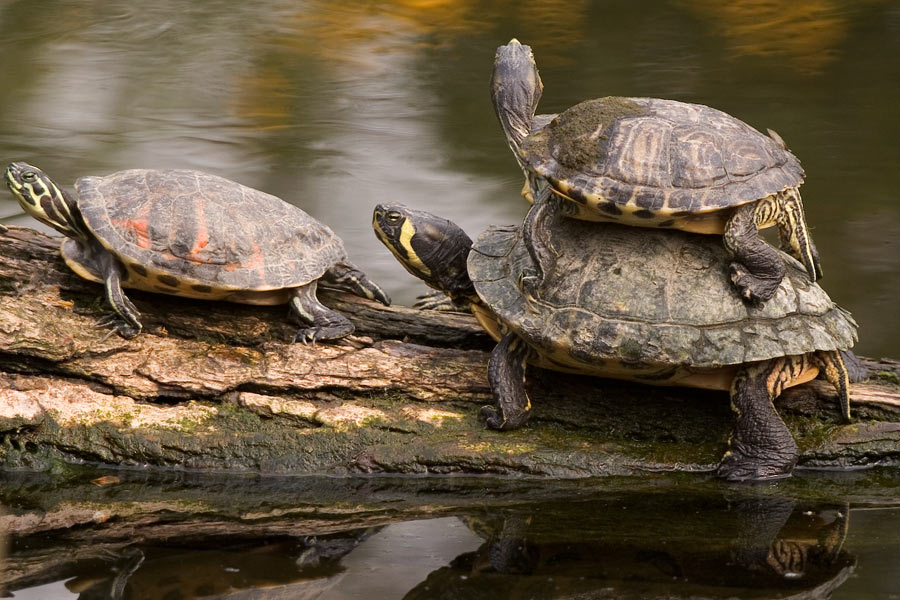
x: 657, y: 163
x: 197, y: 235
x: 649, y: 306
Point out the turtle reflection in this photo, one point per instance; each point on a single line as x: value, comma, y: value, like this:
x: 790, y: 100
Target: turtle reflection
x: 300, y: 568
x: 754, y: 547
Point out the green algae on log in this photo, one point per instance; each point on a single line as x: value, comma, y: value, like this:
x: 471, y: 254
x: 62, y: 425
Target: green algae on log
x: 217, y: 386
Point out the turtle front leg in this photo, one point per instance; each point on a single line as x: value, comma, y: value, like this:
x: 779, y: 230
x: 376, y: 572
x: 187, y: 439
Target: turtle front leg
x: 793, y: 231
x: 324, y: 323
x: 506, y: 373
x: 757, y: 269
x: 126, y: 320
x: 761, y: 446
x: 346, y: 277
x: 544, y: 208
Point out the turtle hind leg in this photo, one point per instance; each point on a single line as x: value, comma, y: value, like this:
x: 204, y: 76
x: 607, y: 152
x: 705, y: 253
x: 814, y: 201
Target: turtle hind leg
x: 794, y: 233
x: 757, y: 269
x: 832, y: 368
x: 346, y: 277
x: 506, y: 372
x: 323, y: 323
x: 761, y: 446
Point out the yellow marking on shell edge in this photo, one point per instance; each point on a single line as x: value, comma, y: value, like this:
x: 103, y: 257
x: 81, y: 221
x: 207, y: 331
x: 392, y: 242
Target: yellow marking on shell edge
x: 407, y: 231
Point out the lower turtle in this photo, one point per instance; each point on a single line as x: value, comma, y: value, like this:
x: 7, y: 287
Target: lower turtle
x: 644, y: 305
x: 196, y: 235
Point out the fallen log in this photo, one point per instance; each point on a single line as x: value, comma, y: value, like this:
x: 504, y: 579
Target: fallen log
x: 218, y: 386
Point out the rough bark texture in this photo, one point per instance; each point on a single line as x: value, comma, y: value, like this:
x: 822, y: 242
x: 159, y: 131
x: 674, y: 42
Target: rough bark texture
x: 218, y: 386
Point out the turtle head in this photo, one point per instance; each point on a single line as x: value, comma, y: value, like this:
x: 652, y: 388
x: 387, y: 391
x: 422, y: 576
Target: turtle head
x: 44, y: 200
x: 430, y: 247
x: 515, y: 90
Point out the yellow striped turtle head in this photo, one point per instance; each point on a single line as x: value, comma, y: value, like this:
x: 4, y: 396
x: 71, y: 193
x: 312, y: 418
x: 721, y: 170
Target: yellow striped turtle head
x: 430, y: 247
x: 44, y: 200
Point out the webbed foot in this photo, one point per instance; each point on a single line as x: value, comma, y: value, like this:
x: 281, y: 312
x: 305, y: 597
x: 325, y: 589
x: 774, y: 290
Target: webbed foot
x: 495, y: 419
x: 751, y: 287
x: 743, y: 463
x: 311, y: 335
x: 436, y: 300
x: 118, y: 325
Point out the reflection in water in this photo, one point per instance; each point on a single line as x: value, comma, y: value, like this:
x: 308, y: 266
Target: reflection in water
x: 293, y: 568
x: 756, y: 547
x: 730, y: 543
x: 807, y: 33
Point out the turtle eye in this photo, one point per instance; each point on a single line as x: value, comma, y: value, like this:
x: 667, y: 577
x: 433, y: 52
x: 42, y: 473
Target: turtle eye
x: 393, y: 217
x: 29, y: 176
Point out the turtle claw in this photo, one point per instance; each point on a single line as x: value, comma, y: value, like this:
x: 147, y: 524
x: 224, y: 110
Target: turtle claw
x: 117, y: 325
x: 739, y: 464
x: 306, y: 336
x: 311, y: 335
x: 435, y: 301
x: 752, y: 288
x: 492, y: 418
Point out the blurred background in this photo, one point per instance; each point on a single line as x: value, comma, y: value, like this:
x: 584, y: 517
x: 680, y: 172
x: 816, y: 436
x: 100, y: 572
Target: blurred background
x: 338, y: 106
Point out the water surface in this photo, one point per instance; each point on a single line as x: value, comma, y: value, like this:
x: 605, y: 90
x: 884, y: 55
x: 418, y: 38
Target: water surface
x: 816, y: 536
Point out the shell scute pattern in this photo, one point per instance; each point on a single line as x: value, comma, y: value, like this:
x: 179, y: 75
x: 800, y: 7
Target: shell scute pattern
x: 205, y: 230
x: 664, y: 157
x: 649, y: 298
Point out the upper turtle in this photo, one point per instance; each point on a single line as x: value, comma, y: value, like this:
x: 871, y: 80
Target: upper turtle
x: 652, y: 157
x: 650, y: 162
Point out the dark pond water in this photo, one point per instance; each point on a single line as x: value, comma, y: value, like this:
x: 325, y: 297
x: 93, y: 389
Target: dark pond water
x: 338, y: 106
x: 816, y: 536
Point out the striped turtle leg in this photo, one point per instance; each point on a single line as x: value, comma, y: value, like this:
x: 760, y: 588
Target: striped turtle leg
x: 346, y: 277
x: 793, y: 232
x: 438, y: 300
x: 761, y: 446
x: 832, y: 368
x: 324, y: 323
x: 544, y: 208
x: 757, y: 269
x: 126, y: 320
x: 506, y: 373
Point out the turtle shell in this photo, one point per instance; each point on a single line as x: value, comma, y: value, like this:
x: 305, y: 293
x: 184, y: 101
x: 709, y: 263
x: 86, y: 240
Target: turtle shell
x: 645, y: 297
x: 652, y: 158
x: 192, y: 233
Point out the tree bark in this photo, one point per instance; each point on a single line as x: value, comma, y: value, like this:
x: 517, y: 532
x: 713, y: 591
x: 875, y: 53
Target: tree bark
x: 212, y: 385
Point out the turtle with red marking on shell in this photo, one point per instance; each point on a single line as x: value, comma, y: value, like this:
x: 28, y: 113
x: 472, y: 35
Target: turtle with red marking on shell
x: 196, y: 235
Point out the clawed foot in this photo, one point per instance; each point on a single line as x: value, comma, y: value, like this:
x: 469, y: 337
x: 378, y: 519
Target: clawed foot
x: 740, y: 464
x: 436, y: 301
x: 529, y: 283
x: 492, y: 418
x: 311, y: 335
x: 495, y: 419
x: 118, y: 325
x: 752, y: 288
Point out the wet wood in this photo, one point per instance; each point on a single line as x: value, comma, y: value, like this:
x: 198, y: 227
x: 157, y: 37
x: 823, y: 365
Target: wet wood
x: 218, y: 386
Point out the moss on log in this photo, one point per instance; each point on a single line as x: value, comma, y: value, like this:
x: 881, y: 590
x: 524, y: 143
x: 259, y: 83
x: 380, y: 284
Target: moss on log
x: 218, y: 386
